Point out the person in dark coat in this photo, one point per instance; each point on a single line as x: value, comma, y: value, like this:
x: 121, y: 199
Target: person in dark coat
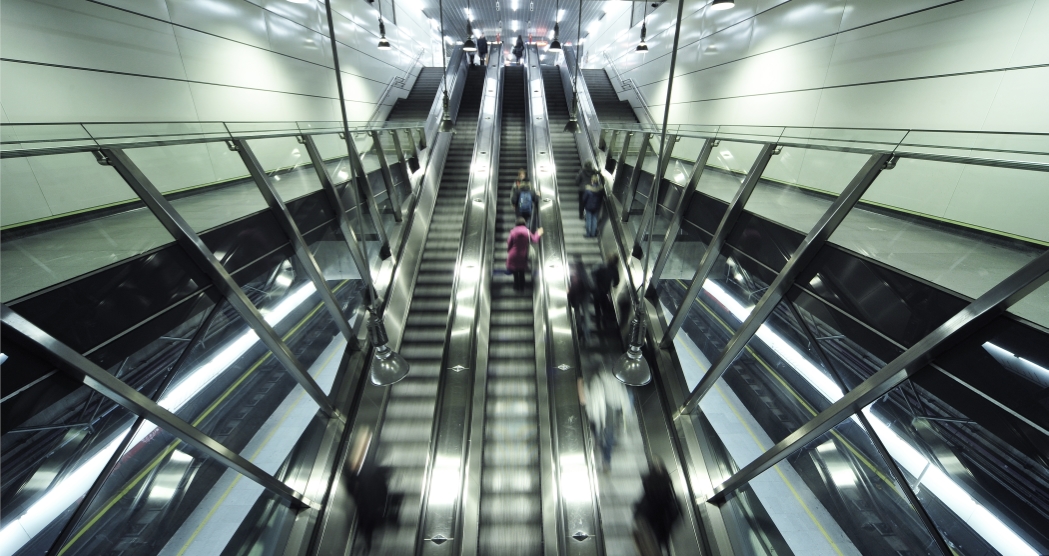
x: 369, y: 485
x: 605, y: 277
x: 482, y: 49
x: 582, y: 181
x: 593, y: 200
x: 656, y: 513
x: 517, y: 251
x: 525, y: 201
x: 579, y: 294
x: 519, y: 49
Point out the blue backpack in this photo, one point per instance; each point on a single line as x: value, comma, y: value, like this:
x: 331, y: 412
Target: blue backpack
x: 524, y: 202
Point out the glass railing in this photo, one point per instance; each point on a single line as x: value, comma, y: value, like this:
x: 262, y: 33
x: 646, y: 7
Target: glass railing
x: 951, y: 460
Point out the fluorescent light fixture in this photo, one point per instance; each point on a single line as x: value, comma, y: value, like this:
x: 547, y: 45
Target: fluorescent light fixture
x: 975, y: 515
x: 514, y: 25
x: 560, y: 15
x: 514, y: 6
x: 73, y: 485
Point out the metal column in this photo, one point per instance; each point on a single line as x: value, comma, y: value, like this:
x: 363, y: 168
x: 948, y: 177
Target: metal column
x: 735, y: 207
x: 811, y: 245
x: 213, y: 269
x: 298, y: 243
x: 618, y: 176
x: 628, y: 194
x: 387, y: 176
x: 369, y: 197
x: 679, y: 213
x: 653, y: 195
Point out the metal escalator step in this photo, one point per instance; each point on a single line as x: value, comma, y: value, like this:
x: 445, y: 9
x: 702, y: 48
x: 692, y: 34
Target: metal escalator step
x: 512, y: 350
x: 415, y: 351
x: 511, y: 387
x: 511, y: 540
x: 510, y: 482
x: 511, y: 334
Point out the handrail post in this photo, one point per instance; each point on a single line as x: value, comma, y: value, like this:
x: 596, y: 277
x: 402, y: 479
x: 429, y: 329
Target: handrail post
x: 628, y: 197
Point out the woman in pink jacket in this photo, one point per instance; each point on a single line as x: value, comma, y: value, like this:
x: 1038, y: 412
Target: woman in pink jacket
x: 517, y: 251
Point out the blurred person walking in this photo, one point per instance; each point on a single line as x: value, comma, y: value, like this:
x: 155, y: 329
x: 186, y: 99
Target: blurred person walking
x: 579, y: 294
x: 369, y: 485
x: 605, y: 277
x: 607, y: 404
x: 519, y: 49
x: 656, y: 513
x: 482, y: 49
x: 582, y: 180
x: 517, y: 251
x: 593, y: 199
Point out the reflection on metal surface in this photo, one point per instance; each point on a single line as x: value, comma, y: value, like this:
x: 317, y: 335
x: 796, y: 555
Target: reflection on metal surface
x: 1031, y: 371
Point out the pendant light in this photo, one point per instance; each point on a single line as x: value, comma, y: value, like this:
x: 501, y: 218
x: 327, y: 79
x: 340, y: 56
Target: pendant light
x: 573, y: 114
x: 555, y: 46
x: 384, y: 43
x: 643, y: 46
x: 722, y: 4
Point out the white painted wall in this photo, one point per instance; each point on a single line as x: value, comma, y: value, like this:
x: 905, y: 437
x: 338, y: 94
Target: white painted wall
x: 182, y: 61
x: 975, y: 65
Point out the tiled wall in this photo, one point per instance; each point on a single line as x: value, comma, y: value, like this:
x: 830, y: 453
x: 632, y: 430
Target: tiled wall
x: 976, y: 65
x: 183, y: 60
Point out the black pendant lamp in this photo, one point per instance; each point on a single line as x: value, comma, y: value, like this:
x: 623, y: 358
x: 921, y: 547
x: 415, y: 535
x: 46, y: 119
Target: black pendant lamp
x: 384, y: 43
x: 722, y: 4
x: 573, y: 115
x: 555, y: 45
x: 643, y: 46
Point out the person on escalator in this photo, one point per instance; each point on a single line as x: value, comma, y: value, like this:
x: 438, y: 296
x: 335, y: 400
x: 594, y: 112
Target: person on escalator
x: 582, y: 181
x: 525, y: 201
x: 517, y: 251
x: 578, y: 294
x: 607, y: 403
x: 605, y: 277
x: 369, y: 485
x: 482, y: 49
x: 519, y: 49
x: 593, y: 200
x: 656, y: 513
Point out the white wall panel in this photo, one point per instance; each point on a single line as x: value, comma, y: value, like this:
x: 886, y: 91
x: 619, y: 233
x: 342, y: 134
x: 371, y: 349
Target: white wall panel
x: 226, y: 104
x: 175, y: 167
x: 310, y: 14
x: 20, y: 197
x: 959, y: 102
x: 292, y: 39
x: 795, y: 22
x: 962, y: 37
x: 215, y: 60
x: 234, y: 19
x: 726, y: 46
x: 829, y: 171
x: 1033, y: 46
x: 917, y: 185
x: 786, y: 109
x: 150, y: 8
x: 47, y: 94
x: 1021, y: 102
x: 1002, y: 199
x: 87, y: 35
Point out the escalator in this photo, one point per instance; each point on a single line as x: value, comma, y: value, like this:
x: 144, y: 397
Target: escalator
x: 510, y: 517
x: 404, y: 437
x: 620, y: 488
x: 610, y: 110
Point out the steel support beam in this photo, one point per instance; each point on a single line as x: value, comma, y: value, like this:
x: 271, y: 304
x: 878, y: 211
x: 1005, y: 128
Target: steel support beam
x: 369, y: 198
x: 679, y: 213
x: 98, y: 379
x: 653, y: 195
x: 387, y: 176
x: 396, y: 134
x: 628, y: 194
x: 205, y: 260
x: 291, y: 229
x: 606, y: 153
x: 728, y: 221
x: 976, y: 315
x: 804, y: 254
x: 618, y: 176
x: 360, y: 258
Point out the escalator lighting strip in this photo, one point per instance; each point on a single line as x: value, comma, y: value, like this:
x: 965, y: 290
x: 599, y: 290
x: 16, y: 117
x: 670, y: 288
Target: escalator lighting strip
x: 74, y: 485
x: 974, y: 514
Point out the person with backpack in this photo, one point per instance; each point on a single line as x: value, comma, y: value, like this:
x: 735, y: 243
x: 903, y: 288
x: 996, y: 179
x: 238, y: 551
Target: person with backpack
x: 517, y: 251
x: 593, y: 199
x: 583, y: 180
x: 519, y: 49
x: 607, y: 404
x: 525, y: 201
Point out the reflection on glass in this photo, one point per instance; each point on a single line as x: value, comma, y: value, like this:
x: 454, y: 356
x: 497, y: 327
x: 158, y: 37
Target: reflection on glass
x: 680, y: 268
x: 798, y: 185
x: 836, y: 495
x: 728, y: 164
x: 982, y: 493
x: 337, y: 266
x: 910, y: 216
x: 50, y: 461
x: 288, y: 166
x: 64, y: 216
